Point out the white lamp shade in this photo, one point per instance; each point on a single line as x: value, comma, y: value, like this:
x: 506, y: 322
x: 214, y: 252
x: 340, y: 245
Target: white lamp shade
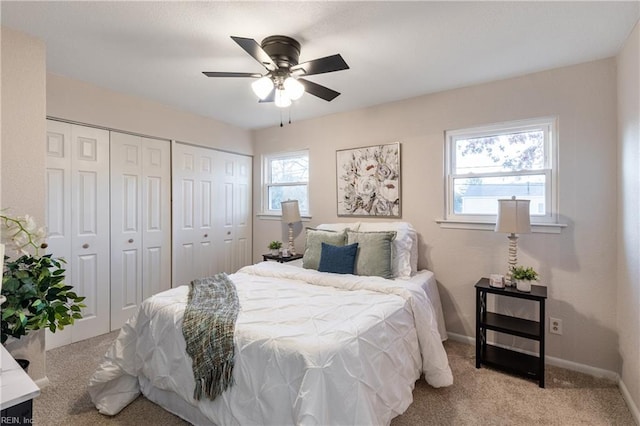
x: 293, y: 88
x: 282, y: 100
x: 262, y: 87
x: 290, y: 211
x: 513, y: 216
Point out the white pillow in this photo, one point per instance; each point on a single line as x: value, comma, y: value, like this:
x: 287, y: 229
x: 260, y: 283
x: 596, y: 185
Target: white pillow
x: 401, y: 247
x: 339, y: 227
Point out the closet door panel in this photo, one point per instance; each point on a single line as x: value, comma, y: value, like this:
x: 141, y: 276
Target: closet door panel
x: 156, y: 229
x: 184, y: 213
x: 242, y: 217
x: 90, y: 228
x: 140, y: 237
x: 193, y: 214
x: 58, y: 209
x: 233, y: 225
x: 218, y: 239
x: 126, y: 235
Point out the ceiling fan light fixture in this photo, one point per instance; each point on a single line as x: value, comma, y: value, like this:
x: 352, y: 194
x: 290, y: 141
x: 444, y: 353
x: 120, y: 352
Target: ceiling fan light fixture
x: 262, y: 87
x: 293, y: 88
x: 281, y: 99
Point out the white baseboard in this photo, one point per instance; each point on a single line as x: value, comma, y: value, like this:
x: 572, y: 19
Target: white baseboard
x: 42, y: 383
x: 461, y: 338
x: 573, y: 366
x: 550, y: 360
x: 630, y: 402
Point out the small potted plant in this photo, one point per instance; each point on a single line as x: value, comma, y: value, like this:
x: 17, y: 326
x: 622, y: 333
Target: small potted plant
x: 275, y: 247
x: 522, y: 276
x: 35, y: 296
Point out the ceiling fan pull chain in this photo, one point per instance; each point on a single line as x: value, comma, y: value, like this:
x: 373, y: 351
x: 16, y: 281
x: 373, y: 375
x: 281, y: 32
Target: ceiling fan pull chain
x: 281, y: 125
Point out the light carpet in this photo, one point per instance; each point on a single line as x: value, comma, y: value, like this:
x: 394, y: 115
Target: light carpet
x: 477, y: 397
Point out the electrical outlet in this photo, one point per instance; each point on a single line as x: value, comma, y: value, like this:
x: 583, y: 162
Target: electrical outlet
x: 555, y: 325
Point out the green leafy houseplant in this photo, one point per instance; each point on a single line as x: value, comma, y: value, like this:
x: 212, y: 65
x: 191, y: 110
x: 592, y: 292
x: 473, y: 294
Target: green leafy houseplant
x: 523, y: 273
x: 523, y: 276
x: 275, y: 245
x: 36, y: 295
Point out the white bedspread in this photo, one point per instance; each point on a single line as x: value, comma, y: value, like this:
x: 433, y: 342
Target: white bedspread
x: 344, y: 350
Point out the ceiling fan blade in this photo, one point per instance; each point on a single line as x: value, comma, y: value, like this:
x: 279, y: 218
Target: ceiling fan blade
x: 271, y: 97
x: 231, y: 74
x: 255, y: 50
x: 322, y: 65
x: 318, y: 90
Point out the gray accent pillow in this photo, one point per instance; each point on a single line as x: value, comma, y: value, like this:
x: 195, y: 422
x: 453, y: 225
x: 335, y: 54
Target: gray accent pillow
x: 374, y: 253
x: 313, y: 246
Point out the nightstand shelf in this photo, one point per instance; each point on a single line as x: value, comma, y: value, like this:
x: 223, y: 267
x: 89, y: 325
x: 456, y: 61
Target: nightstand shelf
x: 510, y: 361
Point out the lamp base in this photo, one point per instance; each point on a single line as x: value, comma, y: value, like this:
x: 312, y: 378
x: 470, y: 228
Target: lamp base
x: 292, y: 249
x: 513, y: 259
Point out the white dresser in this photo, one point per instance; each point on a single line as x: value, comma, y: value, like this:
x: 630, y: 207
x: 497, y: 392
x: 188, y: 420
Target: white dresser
x: 17, y: 391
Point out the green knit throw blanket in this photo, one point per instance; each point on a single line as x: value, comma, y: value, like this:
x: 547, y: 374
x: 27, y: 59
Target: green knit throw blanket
x: 208, y: 326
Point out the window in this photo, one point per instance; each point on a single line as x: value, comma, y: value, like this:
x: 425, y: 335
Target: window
x: 286, y: 177
x: 485, y: 164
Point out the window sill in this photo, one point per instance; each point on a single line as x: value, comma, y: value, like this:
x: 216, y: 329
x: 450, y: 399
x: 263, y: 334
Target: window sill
x: 538, y: 228
x: 278, y: 217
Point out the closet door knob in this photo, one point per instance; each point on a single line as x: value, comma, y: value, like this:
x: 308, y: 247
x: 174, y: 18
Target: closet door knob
x: 228, y: 232
x: 206, y: 235
x: 85, y: 246
x: 130, y: 240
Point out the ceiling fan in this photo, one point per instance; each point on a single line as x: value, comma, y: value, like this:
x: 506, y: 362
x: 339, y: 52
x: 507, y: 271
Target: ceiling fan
x: 282, y: 83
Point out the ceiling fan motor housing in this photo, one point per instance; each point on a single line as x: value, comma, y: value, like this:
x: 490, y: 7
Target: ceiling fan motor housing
x: 283, y: 50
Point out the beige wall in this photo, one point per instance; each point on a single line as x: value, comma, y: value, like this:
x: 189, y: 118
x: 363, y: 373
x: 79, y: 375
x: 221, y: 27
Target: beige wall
x: 23, y: 123
x: 579, y: 265
x: 628, y: 207
x: 22, y: 169
x: 74, y: 100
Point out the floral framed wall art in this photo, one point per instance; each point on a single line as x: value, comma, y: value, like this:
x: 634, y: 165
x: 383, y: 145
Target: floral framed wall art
x: 368, y: 181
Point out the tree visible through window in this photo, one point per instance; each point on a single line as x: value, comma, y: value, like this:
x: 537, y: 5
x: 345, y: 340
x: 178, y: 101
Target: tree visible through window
x: 500, y: 161
x: 286, y: 178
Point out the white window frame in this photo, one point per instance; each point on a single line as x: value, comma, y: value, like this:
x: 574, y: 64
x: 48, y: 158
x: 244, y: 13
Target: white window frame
x: 549, y: 126
x: 266, y: 181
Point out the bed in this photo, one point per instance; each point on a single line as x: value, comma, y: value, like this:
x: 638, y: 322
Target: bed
x: 311, y: 347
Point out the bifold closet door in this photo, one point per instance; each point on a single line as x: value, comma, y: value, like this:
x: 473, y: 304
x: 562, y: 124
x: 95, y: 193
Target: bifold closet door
x: 233, y: 217
x: 211, y: 212
x: 193, y: 204
x: 77, y: 219
x: 140, y: 222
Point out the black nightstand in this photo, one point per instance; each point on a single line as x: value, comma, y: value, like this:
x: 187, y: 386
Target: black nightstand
x: 280, y: 258
x: 528, y: 366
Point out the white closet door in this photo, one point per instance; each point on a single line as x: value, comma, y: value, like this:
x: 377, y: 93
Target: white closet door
x: 156, y: 216
x: 126, y: 227
x: 90, y: 226
x: 58, y: 209
x: 233, y: 214
x: 205, y: 264
x: 140, y: 224
x: 193, y: 188
x: 243, y: 218
x: 78, y: 220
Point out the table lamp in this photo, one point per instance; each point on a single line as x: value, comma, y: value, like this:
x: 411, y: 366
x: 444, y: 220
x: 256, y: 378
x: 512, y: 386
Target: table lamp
x: 513, y: 219
x: 290, y: 215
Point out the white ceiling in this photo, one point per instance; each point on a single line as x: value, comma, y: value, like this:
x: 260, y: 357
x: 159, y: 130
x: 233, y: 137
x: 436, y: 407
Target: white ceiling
x: 395, y: 50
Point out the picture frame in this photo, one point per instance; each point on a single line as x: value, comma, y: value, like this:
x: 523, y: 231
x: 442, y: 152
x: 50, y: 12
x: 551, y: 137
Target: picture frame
x: 368, y: 181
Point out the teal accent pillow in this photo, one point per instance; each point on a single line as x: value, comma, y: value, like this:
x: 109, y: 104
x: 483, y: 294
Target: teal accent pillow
x: 313, y: 246
x: 336, y: 259
x: 374, y: 253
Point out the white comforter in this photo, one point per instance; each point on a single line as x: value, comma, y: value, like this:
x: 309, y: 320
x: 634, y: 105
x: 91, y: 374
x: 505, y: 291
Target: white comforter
x: 345, y: 350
